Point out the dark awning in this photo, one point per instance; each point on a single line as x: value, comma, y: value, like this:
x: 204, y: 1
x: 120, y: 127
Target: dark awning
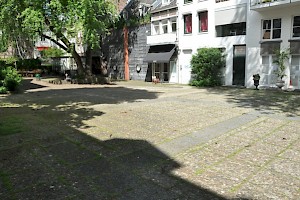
x: 160, y: 53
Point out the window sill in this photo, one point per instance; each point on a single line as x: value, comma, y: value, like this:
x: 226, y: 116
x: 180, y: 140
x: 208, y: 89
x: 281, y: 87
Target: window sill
x: 270, y: 41
x: 202, y: 33
x: 294, y: 39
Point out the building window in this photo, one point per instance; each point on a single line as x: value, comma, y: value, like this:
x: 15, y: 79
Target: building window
x: 271, y: 29
x: 187, y: 23
x: 165, y: 26
x: 174, y: 25
x: 43, y: 39
x: 165, y: 2
x: 203, y: 21
x: 295, y: 71
x: 188, y: 1
x: 231, y: 29
x: 218, y: 1
x: 295, y: 64
x: 296, y: 26
x: 267, y: 52
x: 156, y: 28
x: 268, y: 77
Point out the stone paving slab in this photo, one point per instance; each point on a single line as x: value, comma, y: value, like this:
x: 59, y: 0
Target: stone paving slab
x: 137, y: 140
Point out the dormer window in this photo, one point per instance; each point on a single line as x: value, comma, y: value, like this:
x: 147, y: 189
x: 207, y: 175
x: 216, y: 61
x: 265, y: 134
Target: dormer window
x: 165, y: 2
x: 156, y: 28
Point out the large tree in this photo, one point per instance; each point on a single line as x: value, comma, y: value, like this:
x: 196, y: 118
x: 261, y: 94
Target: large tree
x: 62, y: 19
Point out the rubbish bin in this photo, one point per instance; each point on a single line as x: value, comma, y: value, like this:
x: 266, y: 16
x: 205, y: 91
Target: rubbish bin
x: 38, y: 77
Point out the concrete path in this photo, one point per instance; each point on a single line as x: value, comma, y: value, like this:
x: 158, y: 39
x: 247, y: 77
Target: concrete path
x: 137, y: 140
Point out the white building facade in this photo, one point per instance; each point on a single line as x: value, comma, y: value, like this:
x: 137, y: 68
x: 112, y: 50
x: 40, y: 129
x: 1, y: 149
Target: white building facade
x: 273, y: 25
x: 219, y: 24
x: 248, y: 31
x: 163, y: 41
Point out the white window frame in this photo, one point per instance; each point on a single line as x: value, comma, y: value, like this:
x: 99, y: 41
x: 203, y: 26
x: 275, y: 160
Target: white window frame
x: 156, y: 28
x: 199, y: 22
x: 295, y: 71
x: 164, y: 24
x: 164, y: 2
x: 295, y: 27
x: 270, y: 30
x: 184, y: 24
x: 173, y: 21
x: 268, y: 77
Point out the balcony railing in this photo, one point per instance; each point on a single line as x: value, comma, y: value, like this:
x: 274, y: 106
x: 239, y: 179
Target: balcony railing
x: 260, y: 4
x: 162, y: 38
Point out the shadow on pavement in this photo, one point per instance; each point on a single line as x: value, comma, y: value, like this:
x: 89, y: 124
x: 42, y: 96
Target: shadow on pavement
x: 27, y: 84
x: 266, y: 100
x: 49, y: 158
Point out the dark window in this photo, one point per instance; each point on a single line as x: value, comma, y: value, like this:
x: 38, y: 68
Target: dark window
x: 231, y: 29
x: 174, y: 25
x: 276, y: 28
x: 269, y: 48
x: 296, y: 26
x: 188, y: 1
x: 187, y: 23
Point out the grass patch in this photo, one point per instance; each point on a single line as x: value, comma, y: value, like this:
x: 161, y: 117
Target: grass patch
x: 5, y: 180
x: 11, y: 125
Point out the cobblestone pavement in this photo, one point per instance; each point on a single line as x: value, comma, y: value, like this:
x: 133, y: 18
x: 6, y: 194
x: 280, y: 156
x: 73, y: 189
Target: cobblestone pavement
x: 136, y: 140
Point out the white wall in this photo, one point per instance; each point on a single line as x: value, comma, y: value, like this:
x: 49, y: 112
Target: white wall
x: 254, y: 35
x: 188, y: 44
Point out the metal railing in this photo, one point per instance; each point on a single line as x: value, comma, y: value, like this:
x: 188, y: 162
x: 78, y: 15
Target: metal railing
x: 270, y: 2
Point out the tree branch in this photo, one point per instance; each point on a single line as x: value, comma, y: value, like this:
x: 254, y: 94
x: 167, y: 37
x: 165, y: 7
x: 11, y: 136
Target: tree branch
x: 56, y: 42
x: 65, y: 41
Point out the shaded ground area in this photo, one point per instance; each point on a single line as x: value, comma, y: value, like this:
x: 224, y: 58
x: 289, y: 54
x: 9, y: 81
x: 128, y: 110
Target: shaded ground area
x: 43, y: 155
x: 138, y: 140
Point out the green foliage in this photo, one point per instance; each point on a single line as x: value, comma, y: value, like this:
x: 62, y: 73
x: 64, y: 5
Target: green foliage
x: 53, y: 52
x: 281, y: 58
x: 10, y: 61
x: 62, y: 19
x: 3, y: 90
x: 133, y: 20
x: 29, y: 64
x: 206, y: 67
x: 9, y: 78
x: 3, y: 43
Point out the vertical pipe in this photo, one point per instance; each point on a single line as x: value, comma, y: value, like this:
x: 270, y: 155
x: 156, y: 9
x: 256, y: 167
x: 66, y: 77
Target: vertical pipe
x: 126, y: 65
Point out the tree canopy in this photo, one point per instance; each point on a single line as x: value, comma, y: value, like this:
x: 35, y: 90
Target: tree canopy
x: 63, y: 20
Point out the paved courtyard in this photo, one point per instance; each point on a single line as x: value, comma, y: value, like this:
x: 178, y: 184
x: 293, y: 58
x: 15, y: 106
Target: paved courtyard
x: 137, y: 140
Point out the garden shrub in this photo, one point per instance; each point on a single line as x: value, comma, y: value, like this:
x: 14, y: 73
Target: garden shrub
x: 3, y: 90
x: 206, y: 67
x: 53, y: 52
x: 29, y: 64
x: 9, y: 78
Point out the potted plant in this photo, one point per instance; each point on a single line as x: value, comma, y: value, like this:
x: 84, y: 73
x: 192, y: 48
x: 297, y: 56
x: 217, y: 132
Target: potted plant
x: 281, y: 58
x: 256, y: 78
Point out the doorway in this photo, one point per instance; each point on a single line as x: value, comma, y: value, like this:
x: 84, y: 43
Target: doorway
x: 239, y: 63
x: 161, y: 71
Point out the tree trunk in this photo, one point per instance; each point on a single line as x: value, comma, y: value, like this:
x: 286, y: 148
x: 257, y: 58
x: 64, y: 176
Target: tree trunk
x: 79, y: 63
x: 88, y: 60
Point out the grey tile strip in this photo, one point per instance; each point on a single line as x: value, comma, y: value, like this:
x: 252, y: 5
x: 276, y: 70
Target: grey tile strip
x: 185, y: 142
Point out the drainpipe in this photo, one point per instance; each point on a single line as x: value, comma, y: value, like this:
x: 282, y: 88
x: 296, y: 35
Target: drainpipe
x: 126, y: 65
